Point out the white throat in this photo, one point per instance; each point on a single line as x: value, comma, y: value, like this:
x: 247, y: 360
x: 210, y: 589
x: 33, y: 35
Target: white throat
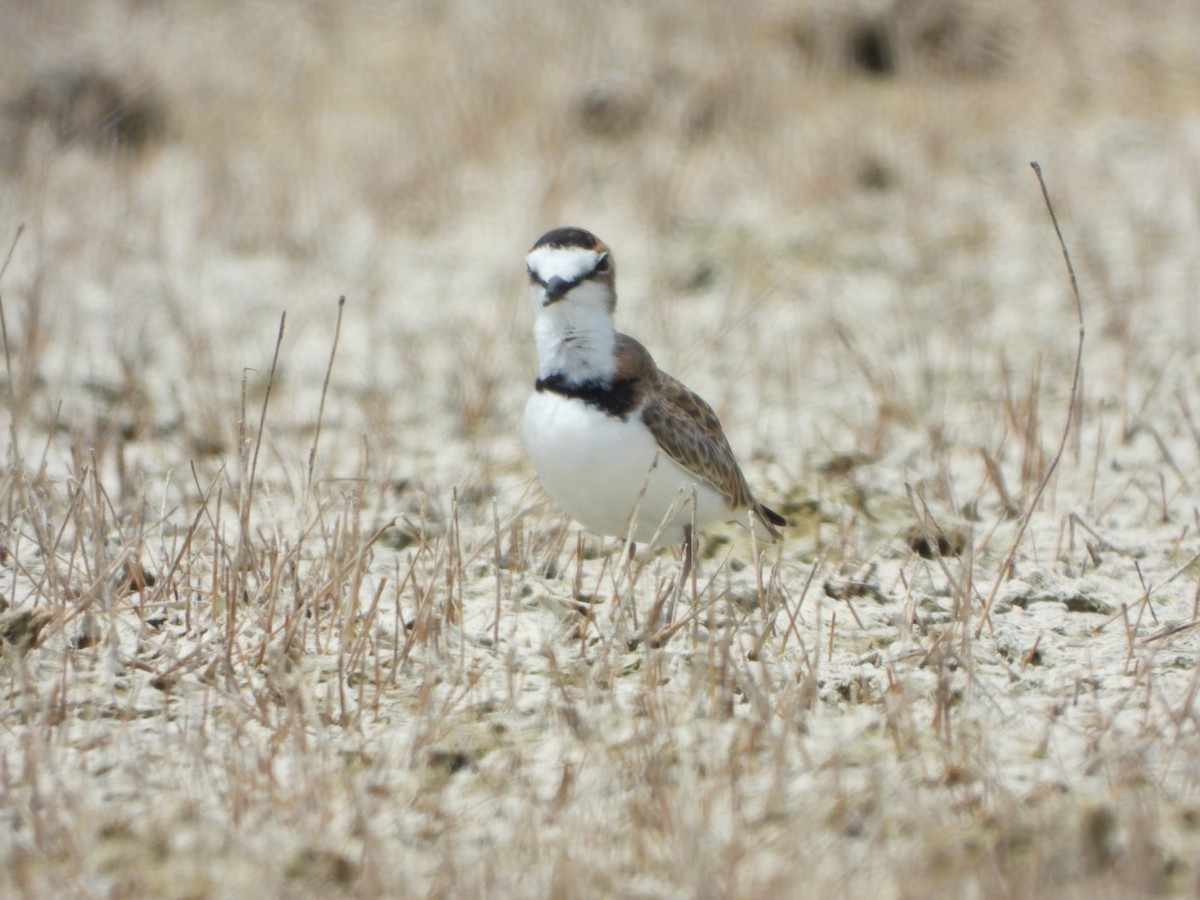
x: 576, y: 336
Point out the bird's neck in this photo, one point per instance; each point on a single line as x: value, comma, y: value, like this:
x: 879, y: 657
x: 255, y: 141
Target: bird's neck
x: 575, y: 343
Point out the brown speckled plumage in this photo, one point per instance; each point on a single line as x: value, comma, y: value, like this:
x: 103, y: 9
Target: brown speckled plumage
x: 688, y: 431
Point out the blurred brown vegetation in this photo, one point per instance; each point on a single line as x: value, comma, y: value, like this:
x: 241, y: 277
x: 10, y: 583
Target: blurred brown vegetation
x: 248, y: 648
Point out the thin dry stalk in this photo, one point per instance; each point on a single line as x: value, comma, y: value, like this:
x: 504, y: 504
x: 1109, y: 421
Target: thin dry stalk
x: 794, y: 614
x: 248, y: 488
x: 985, y: 617
x: 12, y: 386
x: 312, y: 453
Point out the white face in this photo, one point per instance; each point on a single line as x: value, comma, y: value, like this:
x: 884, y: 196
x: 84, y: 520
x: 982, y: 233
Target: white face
x: 568, y: 263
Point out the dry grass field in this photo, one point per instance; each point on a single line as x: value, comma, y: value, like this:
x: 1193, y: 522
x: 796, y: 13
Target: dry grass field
x: 285, y: 612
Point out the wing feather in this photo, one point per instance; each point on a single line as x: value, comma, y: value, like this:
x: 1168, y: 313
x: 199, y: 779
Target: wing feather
x: 689, y: 432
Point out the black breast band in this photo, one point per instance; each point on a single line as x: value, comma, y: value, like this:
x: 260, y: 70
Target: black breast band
x: 617, y: 398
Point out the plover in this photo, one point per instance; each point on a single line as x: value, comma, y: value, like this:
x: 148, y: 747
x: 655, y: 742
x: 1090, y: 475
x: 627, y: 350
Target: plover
x: 618, y: 443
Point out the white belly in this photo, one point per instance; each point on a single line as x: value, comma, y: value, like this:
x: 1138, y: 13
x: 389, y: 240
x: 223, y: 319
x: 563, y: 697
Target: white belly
x: 609, y: 474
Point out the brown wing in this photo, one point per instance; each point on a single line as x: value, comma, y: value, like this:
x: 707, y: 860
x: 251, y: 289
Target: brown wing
x: 689, y: 432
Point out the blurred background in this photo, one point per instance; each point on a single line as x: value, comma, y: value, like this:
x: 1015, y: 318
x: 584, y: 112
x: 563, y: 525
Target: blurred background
x: 798, y: 194
x: 824, y: 221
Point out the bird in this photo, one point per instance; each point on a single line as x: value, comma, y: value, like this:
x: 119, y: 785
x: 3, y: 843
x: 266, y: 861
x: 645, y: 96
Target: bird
x: 623, y: 448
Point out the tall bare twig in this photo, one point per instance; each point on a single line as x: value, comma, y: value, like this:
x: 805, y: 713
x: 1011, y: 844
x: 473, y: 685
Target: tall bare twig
x: 12, y: 387
x: 312, y: 453
x: 1050, y: 469
x: 247, y: 492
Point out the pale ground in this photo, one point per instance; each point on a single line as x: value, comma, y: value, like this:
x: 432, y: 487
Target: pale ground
x: 409, y: 675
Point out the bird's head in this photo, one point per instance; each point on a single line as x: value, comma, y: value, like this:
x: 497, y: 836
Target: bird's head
x: 571, y: 266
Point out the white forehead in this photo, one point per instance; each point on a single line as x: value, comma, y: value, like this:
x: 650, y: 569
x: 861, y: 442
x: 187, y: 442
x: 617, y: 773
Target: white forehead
x: 567, y: 263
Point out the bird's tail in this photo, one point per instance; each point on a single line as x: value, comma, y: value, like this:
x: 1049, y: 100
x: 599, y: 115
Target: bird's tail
x: 767, y: 523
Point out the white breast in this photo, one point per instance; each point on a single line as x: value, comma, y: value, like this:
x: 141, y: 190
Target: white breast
x: 600, y: 470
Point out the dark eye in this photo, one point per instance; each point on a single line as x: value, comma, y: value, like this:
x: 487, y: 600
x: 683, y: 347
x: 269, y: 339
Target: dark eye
x: 602, y: 265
